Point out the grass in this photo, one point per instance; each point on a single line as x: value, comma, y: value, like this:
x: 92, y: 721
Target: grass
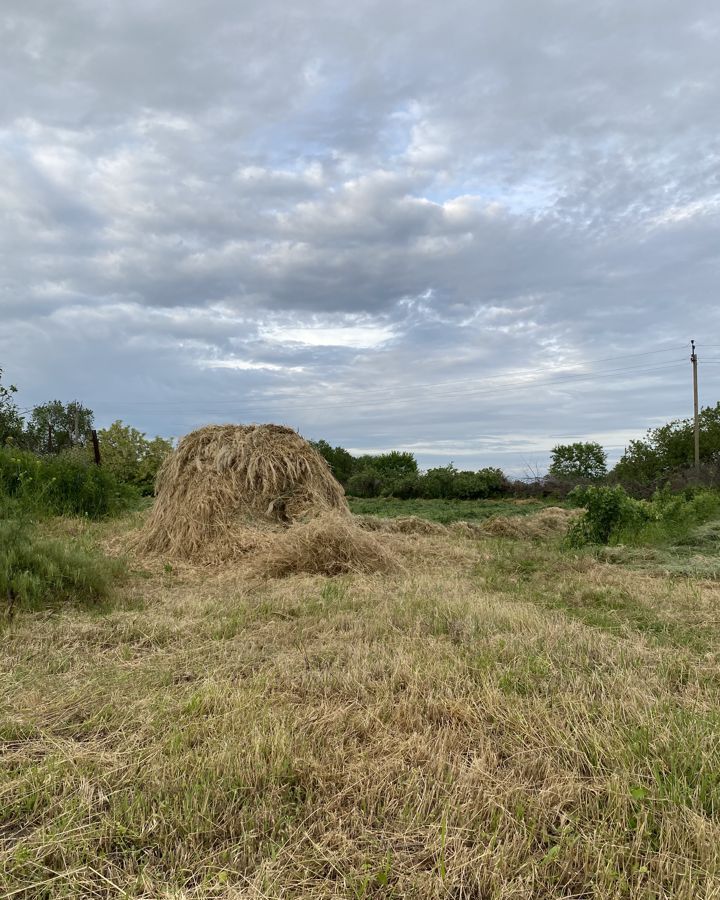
x: 37, y: 570
x: 447, y: 511
x: 502, y: 719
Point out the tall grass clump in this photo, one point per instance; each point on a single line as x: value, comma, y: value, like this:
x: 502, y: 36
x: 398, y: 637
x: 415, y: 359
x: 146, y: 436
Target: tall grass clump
x: 67, y: 484
x: 37, y: 571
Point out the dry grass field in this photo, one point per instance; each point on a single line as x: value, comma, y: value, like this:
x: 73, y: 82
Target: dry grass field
x: 501, y: 718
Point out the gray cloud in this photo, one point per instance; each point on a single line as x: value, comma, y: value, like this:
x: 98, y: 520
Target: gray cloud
x: 390, y: 225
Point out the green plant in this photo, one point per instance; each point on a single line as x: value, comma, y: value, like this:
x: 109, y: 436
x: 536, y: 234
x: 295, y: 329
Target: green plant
x: 131, y: 457
x: 607, y: 510
x: 67, y: 484
x: 11, y: 423
x: 583, y: 460
x: 56, y: 426
x: 36, y: 571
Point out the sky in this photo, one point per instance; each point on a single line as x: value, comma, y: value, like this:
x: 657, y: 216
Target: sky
x: 472, y: 230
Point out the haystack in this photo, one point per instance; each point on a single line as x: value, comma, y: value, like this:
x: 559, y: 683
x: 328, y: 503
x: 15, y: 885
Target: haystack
x: 227, y: 488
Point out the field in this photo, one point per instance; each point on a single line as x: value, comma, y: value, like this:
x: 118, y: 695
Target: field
x: 503, y: 719
x: 447, y: 511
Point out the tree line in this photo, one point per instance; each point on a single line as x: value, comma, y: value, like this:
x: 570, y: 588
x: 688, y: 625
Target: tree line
x: 663, y: 454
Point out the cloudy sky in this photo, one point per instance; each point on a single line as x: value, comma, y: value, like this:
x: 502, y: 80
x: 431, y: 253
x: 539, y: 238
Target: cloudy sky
x: 471, y: 229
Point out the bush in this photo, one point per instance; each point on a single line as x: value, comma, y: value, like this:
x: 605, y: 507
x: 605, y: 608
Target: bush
x: 613, y: 517
x: 68, y: 484
x: 608, y: 510
x: 35, y: 571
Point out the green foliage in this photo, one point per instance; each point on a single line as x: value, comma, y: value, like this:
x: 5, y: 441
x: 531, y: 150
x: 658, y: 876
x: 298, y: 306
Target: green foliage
x: 131, y: 457
x: 390, y: 466
x: 36, y: 571
x: 670, y: 447
x: 56, y: 426
x: 608, y: 510
x: 340, y: 460
x: 612, y: 517
x: 581, y: 460
x: 11, y: 422
x: 67, y: 484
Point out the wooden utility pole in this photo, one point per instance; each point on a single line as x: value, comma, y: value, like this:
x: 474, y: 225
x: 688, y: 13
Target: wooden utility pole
x: 50, y: 442
x: 96, y: 447
x: 693, y: 360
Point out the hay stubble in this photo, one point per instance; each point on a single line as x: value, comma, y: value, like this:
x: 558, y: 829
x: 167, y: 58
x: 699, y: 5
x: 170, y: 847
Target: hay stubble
x: 437, y: 732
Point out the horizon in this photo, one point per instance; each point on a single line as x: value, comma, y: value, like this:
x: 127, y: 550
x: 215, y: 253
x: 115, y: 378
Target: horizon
x: 471, y: 233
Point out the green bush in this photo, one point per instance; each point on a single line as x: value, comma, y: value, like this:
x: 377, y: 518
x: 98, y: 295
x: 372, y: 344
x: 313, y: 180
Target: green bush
x: 608, y: 510
x: 36, y: 571
x: 67, y: 484
x: 612, y: 517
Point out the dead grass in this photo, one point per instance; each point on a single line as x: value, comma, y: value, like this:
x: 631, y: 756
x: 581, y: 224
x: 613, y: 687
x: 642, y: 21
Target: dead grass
x: 330, y: 544
x: 547, y: 523
x: 499, y: 719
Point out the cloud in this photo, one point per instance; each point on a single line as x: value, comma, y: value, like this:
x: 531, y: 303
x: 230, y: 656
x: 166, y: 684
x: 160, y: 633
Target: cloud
x: 362, y: 221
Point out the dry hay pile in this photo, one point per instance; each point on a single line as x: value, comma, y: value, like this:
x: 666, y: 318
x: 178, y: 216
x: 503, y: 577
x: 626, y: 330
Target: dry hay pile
x: 330, y: 544
x: 400, y: 525
x: 227, y: 489
x: 549, y: 522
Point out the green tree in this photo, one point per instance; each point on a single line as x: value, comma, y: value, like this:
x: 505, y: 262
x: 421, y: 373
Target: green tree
x: 130, y: 456
x: 340, y: 460
x: 671, y: 447
x: 11, y: 422
x: 583, y: 459
x: 56, y: 426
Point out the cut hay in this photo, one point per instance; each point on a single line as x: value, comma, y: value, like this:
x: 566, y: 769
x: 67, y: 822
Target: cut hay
x: 548, y: 523
x: 330, y: 544
x: 400, y: 525
x: 227, y: 488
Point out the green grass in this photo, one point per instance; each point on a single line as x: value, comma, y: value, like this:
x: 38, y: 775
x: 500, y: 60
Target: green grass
x: 500, y: 719
x: 446, y: 511
x: 38, y: 571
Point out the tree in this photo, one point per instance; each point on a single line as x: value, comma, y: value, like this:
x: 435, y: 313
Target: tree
x: 56, y: 426
x: 340, y: 460
x: 584, y: 460
x: 130, y: 456
x: 671, y: 447
x: 11, y: 422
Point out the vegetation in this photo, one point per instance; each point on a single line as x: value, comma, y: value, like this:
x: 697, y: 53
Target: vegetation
x: 613, y: 517
x: 580, y: 461
x: 445, y: 511
x: 131, y: 457
x: 501, y: 718
x: 11, y: 423
x: 55, y: 427
x: 66, y: 484
x: 670, y: 448
x: 36, y: 571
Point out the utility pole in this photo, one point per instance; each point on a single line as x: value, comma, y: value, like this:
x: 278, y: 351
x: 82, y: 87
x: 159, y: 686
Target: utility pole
x: 693, y: 360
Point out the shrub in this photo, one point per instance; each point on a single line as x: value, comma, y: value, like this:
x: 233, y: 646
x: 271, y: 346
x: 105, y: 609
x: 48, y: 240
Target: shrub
x: 608, y: 510
x: 67, y: 484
